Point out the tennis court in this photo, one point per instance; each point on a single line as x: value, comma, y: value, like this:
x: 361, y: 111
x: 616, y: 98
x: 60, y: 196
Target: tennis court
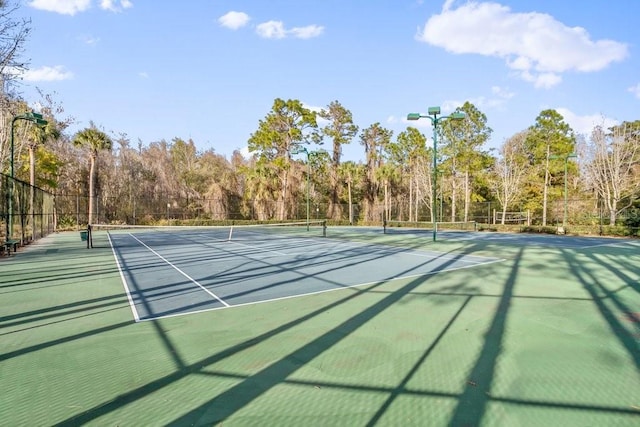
x: 353, y: 328
x: 198, y: 269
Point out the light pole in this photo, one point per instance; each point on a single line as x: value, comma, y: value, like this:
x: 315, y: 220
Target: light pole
x: 432, y: 114
x: 566, y: 160
x: 29, y: 117
x: 297, y: 150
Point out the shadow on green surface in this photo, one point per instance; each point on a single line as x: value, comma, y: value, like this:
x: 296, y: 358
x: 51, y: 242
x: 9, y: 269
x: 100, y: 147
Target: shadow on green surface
x: 470, y: 405
x: 227, y: 403
x: 600, y: 295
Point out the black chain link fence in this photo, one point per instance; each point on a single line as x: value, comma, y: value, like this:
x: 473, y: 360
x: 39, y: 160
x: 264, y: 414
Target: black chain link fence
x: 27, y: 213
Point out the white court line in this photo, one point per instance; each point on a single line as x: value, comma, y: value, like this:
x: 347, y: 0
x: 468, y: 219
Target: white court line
x: 180, y: 271
x: 605, y: 244
x: 412, y: 252
x: 124, y: 281
x: 521, y: 240
x: 341, y: 288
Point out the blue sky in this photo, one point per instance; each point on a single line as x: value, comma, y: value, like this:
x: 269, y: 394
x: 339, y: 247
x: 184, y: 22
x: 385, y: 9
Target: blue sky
x: 209, y: 70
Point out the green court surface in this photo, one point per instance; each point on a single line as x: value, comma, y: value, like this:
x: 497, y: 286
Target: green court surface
x: 548, y: 336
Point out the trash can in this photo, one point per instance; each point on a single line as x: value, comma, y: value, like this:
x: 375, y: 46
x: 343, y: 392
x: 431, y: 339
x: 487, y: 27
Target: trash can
x: 83, y: 235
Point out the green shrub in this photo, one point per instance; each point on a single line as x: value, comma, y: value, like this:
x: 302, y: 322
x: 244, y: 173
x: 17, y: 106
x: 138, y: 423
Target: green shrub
x: 632, y: 222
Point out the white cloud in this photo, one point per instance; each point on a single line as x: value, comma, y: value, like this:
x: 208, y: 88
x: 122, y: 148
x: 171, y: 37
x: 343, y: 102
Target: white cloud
x: 244, y: 151
x: 37, y: 107
x: 585, y: 124
x: 312, y: 107
x: 536, y: 46
x: 502, y: 93
x: 71, y: 7
x: 271, y: 30
x: 47, y: 74
x: 450, y: 106
x: 234, y: 20
x: 635, y: 90
x: 316, y: 110
x: 89, y: 40
x: 307, y: 32
x: 277, y: 30
x: 64, y: 7
x: 143, y: 74
x: 115, y: 5
x: 499, y: 97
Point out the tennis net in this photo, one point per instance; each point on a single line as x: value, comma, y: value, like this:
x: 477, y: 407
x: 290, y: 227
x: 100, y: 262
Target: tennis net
x: 418, y: 226
x: 171, y: 234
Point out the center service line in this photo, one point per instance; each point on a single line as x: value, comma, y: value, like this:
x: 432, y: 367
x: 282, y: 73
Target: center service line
x: 181, y: 272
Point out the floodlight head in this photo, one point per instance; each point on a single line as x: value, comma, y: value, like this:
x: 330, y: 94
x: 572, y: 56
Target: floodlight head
x: 574, y: 155
x: 413, y: 116
x: 458, y: 115
x: 433, y: 111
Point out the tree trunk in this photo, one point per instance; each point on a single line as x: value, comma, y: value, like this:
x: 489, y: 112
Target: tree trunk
x: 283, y: 196
x: 335, y: 209
x: 92, y: 176
x: 545, y: 190
x: 417, y: 198
x: 350, y: 204
x: 454, y: 195
x: 612, y: 204
x: 410, y: 198
x: 504, y: 214
x: 387, y: 211
x: 467, y: 196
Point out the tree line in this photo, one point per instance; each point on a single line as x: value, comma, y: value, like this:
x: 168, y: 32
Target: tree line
x: 296, y: 160
x: 296, y: 152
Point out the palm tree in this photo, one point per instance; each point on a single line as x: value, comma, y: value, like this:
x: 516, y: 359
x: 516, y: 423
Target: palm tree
x: 386, y: 174
x: 93, y: 140
x: 38, y: 135
x: 349, y: 171
x: 262, y: 183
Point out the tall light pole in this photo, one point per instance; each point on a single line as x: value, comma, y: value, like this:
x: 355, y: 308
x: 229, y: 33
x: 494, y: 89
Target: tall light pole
x: 566, y: 160
x: 29, y: 117
x: 432, y: 114
x: 297, y: 150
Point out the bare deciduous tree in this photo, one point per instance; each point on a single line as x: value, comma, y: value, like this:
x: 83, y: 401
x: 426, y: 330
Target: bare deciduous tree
x: 611, y: 166
x: 510, y: 171
x: 13, y: 35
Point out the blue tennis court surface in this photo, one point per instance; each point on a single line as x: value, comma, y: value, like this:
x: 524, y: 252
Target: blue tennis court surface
x: 168, y: 275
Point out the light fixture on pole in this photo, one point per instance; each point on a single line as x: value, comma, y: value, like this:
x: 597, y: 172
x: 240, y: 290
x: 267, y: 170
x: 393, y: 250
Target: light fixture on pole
x: 566, y: 160
x: 432, y: 114
x: 29, y: 117
x: 297, y: 150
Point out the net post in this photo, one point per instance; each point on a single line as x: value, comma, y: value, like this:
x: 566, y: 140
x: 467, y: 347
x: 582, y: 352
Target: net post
x: 89, y: 237
x: 324, y: 228
x: 384, y: 226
